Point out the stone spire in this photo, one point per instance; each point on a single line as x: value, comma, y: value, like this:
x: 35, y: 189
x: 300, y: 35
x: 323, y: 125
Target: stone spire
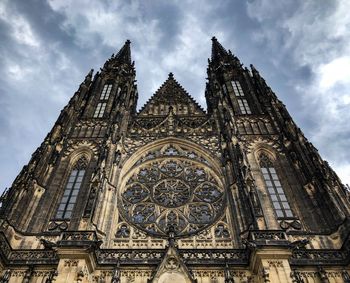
x: 124, y: 54
x: 217, y: 50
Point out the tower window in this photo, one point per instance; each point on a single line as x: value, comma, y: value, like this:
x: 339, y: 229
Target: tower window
x: 244, y: 106
x: 274, y: 188
x: 237, y: 89
x: 100, y: 109
x: 71, y: 191
x: 106, y: 91
x: 118, y: 91
x: 224, y: 89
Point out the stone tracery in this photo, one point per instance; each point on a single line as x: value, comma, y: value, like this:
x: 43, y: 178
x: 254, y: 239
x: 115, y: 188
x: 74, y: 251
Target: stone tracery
x: 172, y: 186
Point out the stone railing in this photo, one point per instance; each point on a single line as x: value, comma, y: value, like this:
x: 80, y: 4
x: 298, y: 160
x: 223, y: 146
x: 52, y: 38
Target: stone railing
x: 129, y: 256
x: 319, y: 257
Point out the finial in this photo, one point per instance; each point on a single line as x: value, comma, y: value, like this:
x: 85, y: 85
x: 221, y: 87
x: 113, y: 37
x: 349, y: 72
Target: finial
x: 127, y: 41
x: 214, y: 38
x: 88, y: 76
x: 171, y: 75
x: 252, y: 67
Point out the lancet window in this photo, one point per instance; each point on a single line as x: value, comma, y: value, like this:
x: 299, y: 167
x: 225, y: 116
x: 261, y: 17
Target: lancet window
x: 107, y: 88
x: 100, y: 109
x: 244, y: 106
x: 71, y: 190
x: 237, y: 89
x: 274, y: 188
x: 101, y: 106
x: 224, y: 89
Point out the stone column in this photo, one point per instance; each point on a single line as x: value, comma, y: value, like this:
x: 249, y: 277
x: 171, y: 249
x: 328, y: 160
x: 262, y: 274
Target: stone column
x: 270, y: 264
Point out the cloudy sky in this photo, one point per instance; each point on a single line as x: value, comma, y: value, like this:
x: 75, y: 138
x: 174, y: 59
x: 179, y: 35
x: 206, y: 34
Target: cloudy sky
x: 302, y: 48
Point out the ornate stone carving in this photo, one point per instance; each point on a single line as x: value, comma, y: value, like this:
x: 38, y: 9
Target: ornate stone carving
x: 5, y: 276
x: 127, y: 256
x: 58, y: 225
x: 290, y: 224
x: 71, y: 263
x: 275, y: 263
x: 303, y: 256
x: 123, y: 231
x: 221, y: 231
x: 75, y: 145
x: 268, y: 235
x: 173, y: 187
x: 79, y: 236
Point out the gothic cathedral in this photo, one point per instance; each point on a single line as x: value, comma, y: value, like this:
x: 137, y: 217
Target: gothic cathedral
x: 173, y: 192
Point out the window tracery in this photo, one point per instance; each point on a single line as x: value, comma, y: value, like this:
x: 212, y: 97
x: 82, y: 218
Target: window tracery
x: 172, y: 187
x: 274, y: 188
x: 123, y: 231
x: 71, y: 191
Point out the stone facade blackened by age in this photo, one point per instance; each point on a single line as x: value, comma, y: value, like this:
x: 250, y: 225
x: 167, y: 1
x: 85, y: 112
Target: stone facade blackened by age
x: 173, y: 192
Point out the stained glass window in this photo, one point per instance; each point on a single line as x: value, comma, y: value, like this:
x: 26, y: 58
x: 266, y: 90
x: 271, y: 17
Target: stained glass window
x: 106, y: 91
x: 71, y: 191
x: 237, y: 89
x: 100, y: 109
x: 173, y: 189
x: 244, y: 106
x: 101, y: 106
x: 275, y: 189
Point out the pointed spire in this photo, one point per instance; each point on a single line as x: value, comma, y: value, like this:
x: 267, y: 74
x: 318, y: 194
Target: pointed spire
x: 217, y: 50
x: 88, y: 77
x: 124, y: 54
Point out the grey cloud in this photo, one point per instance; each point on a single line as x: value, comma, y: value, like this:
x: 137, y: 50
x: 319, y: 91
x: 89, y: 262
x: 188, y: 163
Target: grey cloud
x: 281, y: 39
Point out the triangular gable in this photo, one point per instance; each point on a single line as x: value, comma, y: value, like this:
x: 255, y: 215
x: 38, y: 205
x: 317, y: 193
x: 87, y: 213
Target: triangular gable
x: 171, y: 93
x: 172, y: 269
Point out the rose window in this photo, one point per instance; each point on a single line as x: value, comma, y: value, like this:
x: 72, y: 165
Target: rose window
x: 171, y: 193
x: 172, y: 188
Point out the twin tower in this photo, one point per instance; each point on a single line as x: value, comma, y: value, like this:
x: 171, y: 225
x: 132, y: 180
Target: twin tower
x: 174, y: 193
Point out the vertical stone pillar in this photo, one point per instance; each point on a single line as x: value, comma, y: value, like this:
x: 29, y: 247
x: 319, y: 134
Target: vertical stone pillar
x: 75, y: 265
x: 270, y: 264
x: 76, y: 256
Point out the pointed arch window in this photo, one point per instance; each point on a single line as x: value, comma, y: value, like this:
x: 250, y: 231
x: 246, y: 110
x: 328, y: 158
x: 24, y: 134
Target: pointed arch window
x: 119, y: 90
x: 71, y: 190
x: 274, y: 188
x: 237, y: 89
x: 107, y: 88
x: 100, y: 109
x: 101, y: 106
x: 224, y: 89
x: 244, y: 106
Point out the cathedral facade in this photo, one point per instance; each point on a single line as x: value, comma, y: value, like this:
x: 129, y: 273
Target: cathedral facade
x: 173, y: 192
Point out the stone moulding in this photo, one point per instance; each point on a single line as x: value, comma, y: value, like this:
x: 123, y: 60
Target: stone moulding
x: 192, y: 257
x: 25, y: 256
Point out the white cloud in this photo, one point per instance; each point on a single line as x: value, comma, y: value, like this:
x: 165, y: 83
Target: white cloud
x: 334, y: 72
x: 317, y: 35
x: 314, y: 34
x: 21, y: 30
x: 111, y: 21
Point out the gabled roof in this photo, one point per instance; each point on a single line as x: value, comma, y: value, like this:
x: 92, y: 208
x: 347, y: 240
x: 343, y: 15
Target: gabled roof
x: 171, y: 93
